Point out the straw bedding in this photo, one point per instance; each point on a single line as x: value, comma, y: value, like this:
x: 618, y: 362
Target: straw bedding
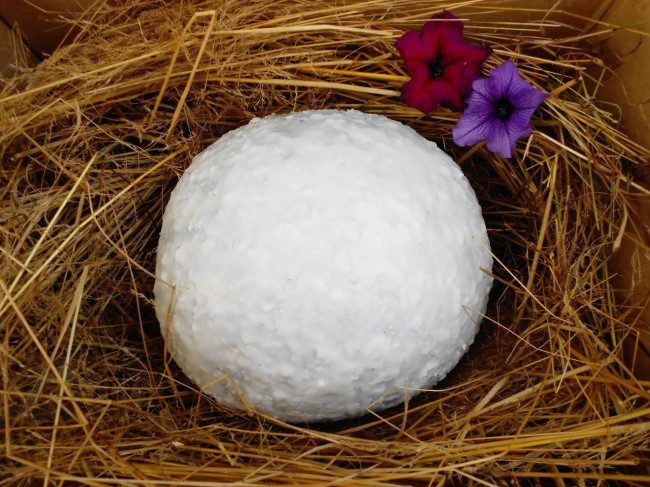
x: 94, y: 139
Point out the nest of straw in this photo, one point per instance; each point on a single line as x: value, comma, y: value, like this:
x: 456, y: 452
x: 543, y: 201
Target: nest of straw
x: 94, y: 139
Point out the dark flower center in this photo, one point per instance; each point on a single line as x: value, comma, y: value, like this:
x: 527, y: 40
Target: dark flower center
x: 435, y: 67
x: 503, y: 108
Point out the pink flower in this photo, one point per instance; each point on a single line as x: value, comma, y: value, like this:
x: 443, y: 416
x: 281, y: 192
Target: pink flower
x: 499, y: 111
x: 440, y: 63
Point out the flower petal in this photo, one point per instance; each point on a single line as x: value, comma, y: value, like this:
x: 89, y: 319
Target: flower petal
x: 465, y: 66
x: 475, y: 124
x: 502, y: 78
x: 482, y: 89
x: 447, y: 94
x: 519, y: 125
x: 426, y: 94
x: 414, y: 92
x: 500, y: 140
x: 527, y: 97
x: 519, y: 121
x: 444, y: 25
x: 411, y: 45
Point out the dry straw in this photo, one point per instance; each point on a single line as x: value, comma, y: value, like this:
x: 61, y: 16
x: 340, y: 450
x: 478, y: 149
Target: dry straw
x: 92, y: 142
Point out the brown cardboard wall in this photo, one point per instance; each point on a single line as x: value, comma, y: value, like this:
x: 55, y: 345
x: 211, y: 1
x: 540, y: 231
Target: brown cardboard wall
x: 13, y: 52
x: 627, y: 85
x: 628, y: 56
x: 40, y: 21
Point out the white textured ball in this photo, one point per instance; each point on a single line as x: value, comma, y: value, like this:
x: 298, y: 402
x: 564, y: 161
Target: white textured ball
x: 318, y: 264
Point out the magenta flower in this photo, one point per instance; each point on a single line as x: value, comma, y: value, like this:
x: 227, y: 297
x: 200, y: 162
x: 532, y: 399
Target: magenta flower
x: 499, y: 111
x: 440, y: 63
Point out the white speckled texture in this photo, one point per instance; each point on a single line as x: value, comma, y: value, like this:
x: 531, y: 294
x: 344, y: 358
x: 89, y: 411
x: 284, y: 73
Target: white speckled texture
x: 322, y: 262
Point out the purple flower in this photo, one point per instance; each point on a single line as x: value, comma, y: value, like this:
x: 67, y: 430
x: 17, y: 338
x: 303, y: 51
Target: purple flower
x: 499, y: 111
x: 440, y: 63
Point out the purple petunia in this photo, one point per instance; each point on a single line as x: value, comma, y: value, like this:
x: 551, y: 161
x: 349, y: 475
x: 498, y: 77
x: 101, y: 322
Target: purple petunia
x: 499, y: 111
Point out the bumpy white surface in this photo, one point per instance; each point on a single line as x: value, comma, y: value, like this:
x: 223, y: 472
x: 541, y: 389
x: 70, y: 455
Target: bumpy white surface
x: 322, y: 262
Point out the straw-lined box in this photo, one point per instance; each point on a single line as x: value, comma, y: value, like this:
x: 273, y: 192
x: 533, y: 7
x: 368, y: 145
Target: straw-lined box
x: 94, y: 138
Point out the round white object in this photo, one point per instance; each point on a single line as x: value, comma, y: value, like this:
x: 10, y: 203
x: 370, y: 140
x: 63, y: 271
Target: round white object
x: 318, y: 264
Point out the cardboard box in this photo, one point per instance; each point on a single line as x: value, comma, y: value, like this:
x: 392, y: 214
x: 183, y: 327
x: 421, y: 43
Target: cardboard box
x: 39, y: 23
